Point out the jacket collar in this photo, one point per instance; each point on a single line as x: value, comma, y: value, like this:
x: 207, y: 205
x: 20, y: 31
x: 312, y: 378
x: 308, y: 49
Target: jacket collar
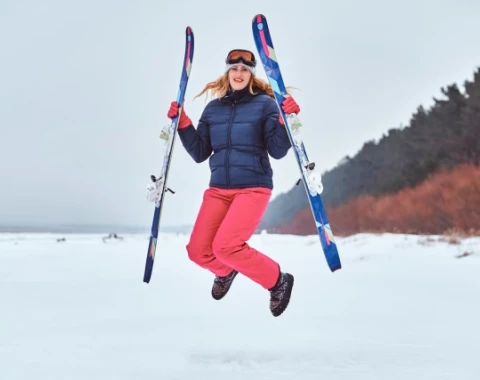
x: 240, y: 96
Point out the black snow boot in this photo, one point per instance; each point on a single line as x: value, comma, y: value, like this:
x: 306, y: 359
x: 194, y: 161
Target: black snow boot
x: 280, y: 294
x: 221, y: 285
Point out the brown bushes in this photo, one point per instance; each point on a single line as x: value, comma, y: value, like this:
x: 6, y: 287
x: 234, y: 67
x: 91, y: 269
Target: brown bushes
x: 448, y: 201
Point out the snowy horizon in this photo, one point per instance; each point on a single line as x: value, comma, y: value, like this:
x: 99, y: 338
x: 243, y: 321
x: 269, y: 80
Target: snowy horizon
x: 87, y: 228
x: 402, y: 307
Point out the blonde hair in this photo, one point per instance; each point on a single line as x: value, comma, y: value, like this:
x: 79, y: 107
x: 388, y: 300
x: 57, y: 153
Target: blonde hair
x: 219, y: 88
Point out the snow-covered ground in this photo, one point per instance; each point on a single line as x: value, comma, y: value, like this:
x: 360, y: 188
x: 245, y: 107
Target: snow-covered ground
x: 402, y: 307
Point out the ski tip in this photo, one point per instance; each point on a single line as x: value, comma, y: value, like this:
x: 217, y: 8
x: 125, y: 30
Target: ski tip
x: 189, y: 38
x: 259, y: 18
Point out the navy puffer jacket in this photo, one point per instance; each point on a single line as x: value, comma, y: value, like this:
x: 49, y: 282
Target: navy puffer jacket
x: 241, y: 130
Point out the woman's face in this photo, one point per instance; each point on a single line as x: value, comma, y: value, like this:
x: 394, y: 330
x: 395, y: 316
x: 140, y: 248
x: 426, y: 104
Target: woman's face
x: 239, y: 77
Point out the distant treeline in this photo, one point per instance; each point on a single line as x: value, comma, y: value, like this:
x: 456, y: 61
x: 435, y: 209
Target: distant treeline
x: 441, y: 137
x: 447, y: 202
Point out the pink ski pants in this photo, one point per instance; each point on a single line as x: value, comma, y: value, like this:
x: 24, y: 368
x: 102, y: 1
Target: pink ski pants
x: 226, y: 220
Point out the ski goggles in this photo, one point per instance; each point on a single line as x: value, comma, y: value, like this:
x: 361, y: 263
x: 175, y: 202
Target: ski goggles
x: 241, y: 56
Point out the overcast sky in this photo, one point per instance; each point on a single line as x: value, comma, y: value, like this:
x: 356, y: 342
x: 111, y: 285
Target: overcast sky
x: 85, y: 87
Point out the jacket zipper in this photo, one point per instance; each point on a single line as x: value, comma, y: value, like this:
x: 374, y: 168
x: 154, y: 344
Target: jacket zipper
x: 229, y: 146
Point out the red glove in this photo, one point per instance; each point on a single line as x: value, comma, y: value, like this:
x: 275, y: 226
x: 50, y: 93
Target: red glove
x: 289, y: 105
x: 184, y: 121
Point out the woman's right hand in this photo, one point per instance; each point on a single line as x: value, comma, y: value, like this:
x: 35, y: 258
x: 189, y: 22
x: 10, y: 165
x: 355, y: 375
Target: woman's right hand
x: 173, y: 111
x: 184, y: 121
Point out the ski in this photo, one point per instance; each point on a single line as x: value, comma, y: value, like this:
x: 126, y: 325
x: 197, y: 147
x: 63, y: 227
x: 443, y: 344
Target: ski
x: 169, y: 133
x: 311, y: 179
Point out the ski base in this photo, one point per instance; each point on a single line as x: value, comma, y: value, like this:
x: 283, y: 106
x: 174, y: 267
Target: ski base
x: 310, y: 178
x: 168, y: 134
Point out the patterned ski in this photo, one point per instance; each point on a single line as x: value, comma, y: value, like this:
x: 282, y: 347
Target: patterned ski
x: 311, y: 179
x: 168, y: 134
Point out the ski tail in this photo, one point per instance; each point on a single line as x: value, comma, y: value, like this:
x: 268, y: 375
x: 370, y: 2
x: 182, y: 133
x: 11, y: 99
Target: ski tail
x: 264, y: 43
x: 182, y: 88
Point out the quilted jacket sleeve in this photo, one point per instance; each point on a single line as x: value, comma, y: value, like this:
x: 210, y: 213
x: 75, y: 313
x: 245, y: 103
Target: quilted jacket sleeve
x: 275, y: 136
x: 197, y: 141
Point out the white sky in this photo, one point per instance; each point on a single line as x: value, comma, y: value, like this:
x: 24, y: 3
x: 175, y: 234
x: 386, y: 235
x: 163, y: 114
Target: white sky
x: 85, y: 87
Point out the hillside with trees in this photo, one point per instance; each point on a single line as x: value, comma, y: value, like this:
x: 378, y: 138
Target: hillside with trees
x: 406, y: 173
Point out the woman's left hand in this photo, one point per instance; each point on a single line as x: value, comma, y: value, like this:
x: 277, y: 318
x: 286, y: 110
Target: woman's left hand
x: 289, y: 105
